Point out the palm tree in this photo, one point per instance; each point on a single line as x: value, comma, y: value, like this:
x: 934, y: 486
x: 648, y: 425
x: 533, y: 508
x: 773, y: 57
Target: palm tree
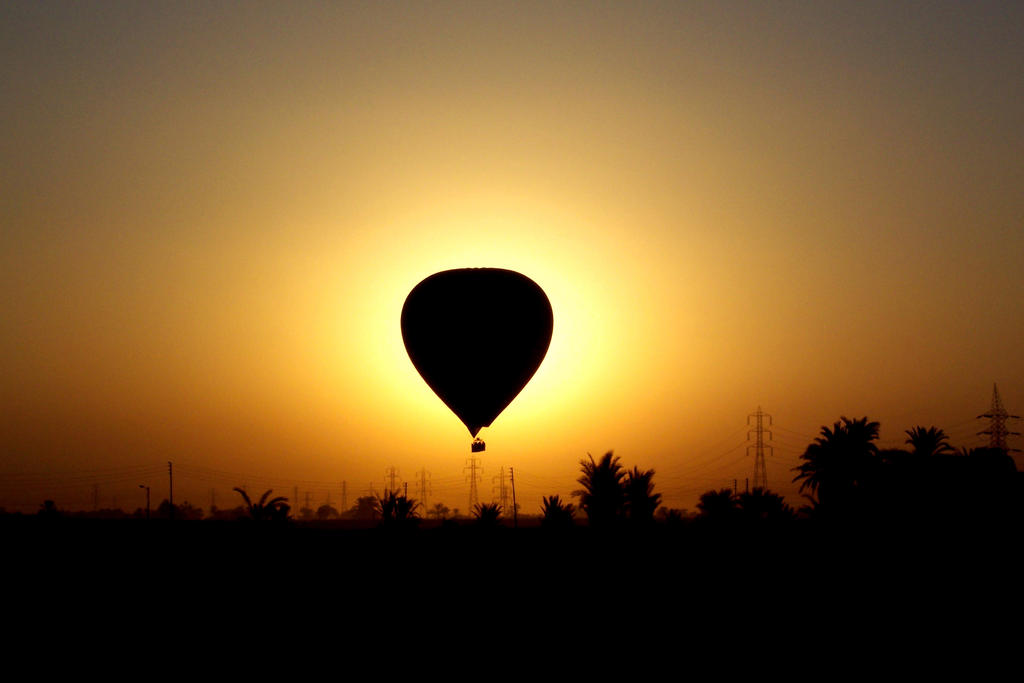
x: 557, y: 515
x: 275, y: 509
x: 602, y: 496
x: 396, y: 510
x: 841, y: 465
x: 487, y: 514
x: 762, y: 506
x: 931, y: 441
x: 641, y: 500
x: 717, y: 506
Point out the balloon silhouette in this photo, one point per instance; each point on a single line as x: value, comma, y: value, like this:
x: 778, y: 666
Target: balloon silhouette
x: 477, y: 336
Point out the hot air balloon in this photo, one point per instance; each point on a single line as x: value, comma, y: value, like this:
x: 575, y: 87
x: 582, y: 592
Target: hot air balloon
x: 477, y: 336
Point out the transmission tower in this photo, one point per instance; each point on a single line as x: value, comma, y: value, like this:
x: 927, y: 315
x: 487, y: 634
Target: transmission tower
x: 500, y: 490
x: 760, y: 468
x: 391, y: 474
x: 997, y: 417
x: 475, y: 472
x: 423, y: 488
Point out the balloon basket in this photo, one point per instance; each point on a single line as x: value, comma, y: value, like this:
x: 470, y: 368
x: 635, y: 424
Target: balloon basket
x: 478, y: 446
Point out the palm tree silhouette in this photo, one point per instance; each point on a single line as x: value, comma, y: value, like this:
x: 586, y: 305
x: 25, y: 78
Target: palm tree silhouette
x: 557, y: 515
x: 931, y: 441
x: 275, y: 509
x: 602, y: 496
x: 841, y: 465
x: 718, y: 506
x: 487, y: 514
x: 761, y: 506
x: 641, y: 500
x: 396, y: 510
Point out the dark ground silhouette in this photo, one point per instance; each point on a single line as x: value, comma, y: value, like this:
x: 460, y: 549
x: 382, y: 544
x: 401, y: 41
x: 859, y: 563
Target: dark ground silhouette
x: 884, y: 532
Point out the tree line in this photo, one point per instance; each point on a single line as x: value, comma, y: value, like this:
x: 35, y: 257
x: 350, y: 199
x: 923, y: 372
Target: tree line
x: 843, y: 476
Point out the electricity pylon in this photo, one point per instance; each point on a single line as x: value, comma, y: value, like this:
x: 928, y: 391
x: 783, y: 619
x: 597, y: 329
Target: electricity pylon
x: 423, y: 488
x: 475, y: 472
x: 500, y: 490
x: 997, y: 417
x: 760, y: 468
x: 390, y: 475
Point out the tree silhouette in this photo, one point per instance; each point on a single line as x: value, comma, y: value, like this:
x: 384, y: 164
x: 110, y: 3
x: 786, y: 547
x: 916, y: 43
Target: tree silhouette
x: 274, y: 509
x: 557, y: 515
x: 326, y: 511
x: 487, y: 514
x: 641, y: 500
x: 439, y: 511
x: 48, y: 510
x: 602, y: 497
x: 179, y: 511
x: 718, y: 507
x: 930, y: 441
x: 840, y: 467
x: 397, y: 511
x: 233, y: 514
x: 761, y: 506
x: 670, y: 516
x: 365, y: 508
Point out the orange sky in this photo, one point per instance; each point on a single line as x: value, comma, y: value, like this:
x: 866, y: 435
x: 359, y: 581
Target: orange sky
x: 212, y: 216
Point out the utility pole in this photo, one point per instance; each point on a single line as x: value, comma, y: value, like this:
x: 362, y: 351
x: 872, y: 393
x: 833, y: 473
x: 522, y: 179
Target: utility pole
x: 473, y: 468
x: 515, y: 508
x: 760, y: 469
x: 997, y: 417
x: 344, y: 496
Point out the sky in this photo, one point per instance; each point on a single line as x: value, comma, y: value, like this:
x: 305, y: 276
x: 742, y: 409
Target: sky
x: 212, y: 214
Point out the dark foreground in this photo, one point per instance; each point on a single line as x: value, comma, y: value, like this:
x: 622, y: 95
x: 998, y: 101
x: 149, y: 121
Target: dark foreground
x: 803, y: 598
x: 795, y: 564
x: 685, y: 601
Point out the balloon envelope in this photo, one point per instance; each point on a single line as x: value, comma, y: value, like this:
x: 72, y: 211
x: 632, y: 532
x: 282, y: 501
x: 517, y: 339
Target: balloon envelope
x: 477, y: 336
